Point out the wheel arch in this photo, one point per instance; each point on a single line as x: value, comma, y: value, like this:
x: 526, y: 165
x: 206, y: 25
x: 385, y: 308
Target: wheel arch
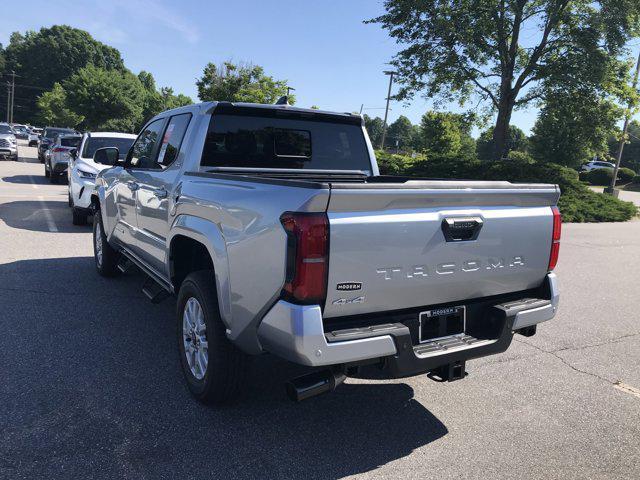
x: 195, y: 244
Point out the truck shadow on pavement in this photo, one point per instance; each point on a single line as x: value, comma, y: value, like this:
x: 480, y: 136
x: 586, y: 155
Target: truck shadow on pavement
x: 92, y: 377
x: 27, y: 179
x: 41, y: 216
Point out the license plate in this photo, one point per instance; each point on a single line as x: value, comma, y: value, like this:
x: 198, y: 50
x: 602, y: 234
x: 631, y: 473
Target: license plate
x: 441, y: 322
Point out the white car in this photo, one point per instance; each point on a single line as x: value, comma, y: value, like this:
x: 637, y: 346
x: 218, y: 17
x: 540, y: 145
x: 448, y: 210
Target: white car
x: 596, y: 165
x: 59, y: 154
x: 83, y: 169
x: 34, y: 136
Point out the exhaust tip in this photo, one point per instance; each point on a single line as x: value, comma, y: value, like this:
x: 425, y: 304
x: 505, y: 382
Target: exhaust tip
x: 313, y: 384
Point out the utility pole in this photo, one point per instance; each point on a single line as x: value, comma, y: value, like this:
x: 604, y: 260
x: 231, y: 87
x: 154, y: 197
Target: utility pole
x: 13, y: 92
x: 386, y: 110
x: 623, y: 139
x: 8, y: 101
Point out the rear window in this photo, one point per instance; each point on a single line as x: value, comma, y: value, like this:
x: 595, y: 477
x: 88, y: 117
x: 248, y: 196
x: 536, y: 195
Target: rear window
x: 94, y: 143
x: 52, y: 132
x: 6, y: 129
x: 270, y: 142
x: 70, y: 141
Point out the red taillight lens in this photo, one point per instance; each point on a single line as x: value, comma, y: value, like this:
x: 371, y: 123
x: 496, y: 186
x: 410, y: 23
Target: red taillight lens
x: 59, y: 149
x: 307, y: 256
x: 555, y: 240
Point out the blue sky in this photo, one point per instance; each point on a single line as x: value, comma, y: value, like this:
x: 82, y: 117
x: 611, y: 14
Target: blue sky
x: 321, y: 46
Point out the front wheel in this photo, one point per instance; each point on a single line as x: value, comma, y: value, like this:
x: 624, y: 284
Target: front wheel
x: 105, y: 256
x: 214, y: 368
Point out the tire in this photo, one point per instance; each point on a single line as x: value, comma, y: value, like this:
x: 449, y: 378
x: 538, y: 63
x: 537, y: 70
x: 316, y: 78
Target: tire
x: 70, y: 200
x: 227, y: 368
x: 47, y: 173
x: 107, y: 263
x: 53, y: 177
x: 79, y: 216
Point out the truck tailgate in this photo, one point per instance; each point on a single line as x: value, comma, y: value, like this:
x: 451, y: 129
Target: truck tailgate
x: 389, y: 249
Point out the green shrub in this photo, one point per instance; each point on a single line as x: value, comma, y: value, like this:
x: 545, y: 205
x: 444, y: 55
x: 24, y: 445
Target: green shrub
x: 578, y: 203
x: 602, y: 176
x: 394, y: 164
x: 625, y: 175
x: 636, y: 180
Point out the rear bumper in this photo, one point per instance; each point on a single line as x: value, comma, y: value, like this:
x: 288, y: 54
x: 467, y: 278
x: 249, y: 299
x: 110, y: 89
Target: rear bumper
x: 59, y: 166
x: 296, y: 333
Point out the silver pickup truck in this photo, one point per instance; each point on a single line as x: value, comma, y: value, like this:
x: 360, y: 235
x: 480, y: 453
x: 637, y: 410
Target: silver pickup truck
x: 276, y: 232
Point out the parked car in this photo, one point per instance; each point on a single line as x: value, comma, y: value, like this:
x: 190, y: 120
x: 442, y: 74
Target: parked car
x: 273, y: 227
x: 57, y: 156
x: 34, y: 136
x: 48, y: 136
x: 21, y: 131
x: 8, y: 142
x: 83, y: 169
x: 595, y: 165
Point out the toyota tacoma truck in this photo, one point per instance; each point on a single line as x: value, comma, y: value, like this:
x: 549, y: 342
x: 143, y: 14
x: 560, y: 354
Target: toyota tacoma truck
x: 274, y: 229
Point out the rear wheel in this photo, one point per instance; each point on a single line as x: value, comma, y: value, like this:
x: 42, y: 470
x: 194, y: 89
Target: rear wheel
x: 214, y: 368
x: 47, y: 174
x: 105, y: 256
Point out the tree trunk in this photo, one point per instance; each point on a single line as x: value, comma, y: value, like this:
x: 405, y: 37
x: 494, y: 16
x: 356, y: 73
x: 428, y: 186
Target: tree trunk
x: 501, y: 130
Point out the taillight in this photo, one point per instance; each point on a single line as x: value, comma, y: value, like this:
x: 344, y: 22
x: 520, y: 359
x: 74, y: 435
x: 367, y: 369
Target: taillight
x: 307, y: 256
x: 59, y: 149
x: 555, y: 240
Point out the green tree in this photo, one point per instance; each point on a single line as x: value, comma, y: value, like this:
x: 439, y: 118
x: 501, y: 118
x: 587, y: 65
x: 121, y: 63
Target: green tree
x: 374, y: 128
x: 156, y: 101
x: 572, y: 128
x: 504, y: 51
x: 108, y: 99
x: 54, y: 111
x: 52, y: 55
x: 516, y: 141
x: 240, y: 83
x: 446, y: 134
x: 631, y: 152
x: 400, y: 134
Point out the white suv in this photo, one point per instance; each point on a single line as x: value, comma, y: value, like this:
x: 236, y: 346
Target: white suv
x: 83, y: 169
x: 596, y: 165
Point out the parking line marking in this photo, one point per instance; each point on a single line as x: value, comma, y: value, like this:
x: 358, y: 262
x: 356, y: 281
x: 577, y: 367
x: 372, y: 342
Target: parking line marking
x: 51, y: 224
x: 627, y: 388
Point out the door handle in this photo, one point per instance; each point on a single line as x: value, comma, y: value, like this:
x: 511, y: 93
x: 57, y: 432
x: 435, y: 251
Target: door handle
x: 133, y: 186
x: 160, y: 192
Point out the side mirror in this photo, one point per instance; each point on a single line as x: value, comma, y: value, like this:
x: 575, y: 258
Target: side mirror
x: 73, y: 153
x: 106, y: 156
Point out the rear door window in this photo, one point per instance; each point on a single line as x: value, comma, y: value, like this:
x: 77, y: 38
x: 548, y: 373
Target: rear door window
x: 172, y: 139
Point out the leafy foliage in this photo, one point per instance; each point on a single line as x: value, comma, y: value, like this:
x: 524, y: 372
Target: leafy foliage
x: 602, y: 176
x: 516, y: 141
x: 577, y: 203
x: 394, y: 164
x: 109, y: 99
x: 631, y: 151
x: 54, y: 110
x: 374, y: 128
x: 445, y: 133
x: 573, y: 127
x: 52, y: 55
x: 455, y: 49
x: 240, y: 83
x: 400, y: 134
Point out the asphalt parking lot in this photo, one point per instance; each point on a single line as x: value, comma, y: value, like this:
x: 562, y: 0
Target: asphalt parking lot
x: 91, y: 387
